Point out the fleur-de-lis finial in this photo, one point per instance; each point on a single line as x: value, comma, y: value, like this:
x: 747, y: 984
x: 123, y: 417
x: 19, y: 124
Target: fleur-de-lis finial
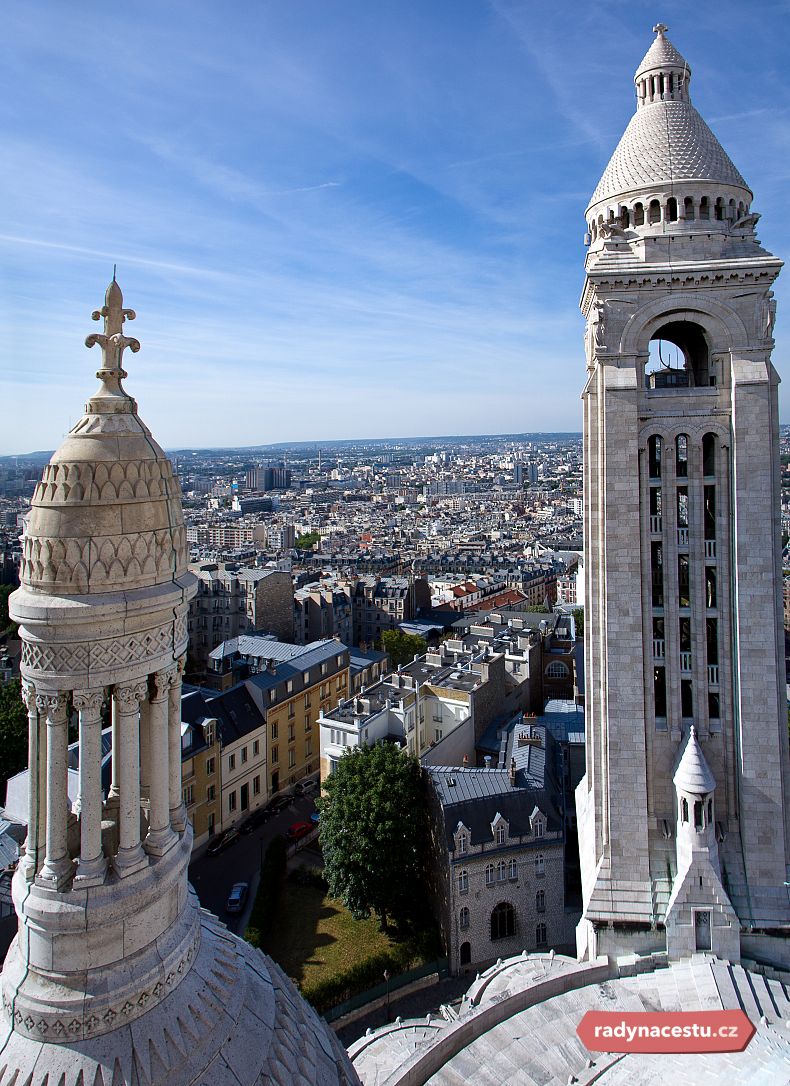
x: 660, y: 29
x: 112, y: 341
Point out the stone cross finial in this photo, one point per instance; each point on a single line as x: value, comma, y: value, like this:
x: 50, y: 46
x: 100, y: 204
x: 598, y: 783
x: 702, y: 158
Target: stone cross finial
x: 660, y: 29
x: 112, y: 341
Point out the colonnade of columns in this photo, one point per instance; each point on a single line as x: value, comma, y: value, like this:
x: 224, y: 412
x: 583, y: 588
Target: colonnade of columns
x: 146, y: 766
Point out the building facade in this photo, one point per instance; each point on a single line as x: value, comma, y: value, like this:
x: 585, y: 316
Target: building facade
x: 683, y: 620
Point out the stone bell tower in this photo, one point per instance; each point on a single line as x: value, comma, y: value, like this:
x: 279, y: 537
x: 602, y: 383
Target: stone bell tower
x: 682, y: 539
x: 117, y: 976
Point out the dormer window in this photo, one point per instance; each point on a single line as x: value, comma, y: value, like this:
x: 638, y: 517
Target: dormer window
x: 462, y: 838
x: 537, y: 821
x: 463, y: 843
x: 499, y: 829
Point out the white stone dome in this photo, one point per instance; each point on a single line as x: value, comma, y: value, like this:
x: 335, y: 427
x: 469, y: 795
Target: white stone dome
x: 106, y: 515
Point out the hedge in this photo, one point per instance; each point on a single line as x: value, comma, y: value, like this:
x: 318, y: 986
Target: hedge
x: 269, y: 890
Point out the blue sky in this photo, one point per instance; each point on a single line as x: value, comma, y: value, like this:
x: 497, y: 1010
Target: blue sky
x: 337, y: 218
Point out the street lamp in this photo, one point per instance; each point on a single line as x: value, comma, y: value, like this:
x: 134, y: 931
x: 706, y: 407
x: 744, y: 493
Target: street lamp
x: 387, y: 982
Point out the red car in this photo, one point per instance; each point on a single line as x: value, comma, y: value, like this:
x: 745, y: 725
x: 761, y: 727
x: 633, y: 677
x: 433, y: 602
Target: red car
x: 298, y: 830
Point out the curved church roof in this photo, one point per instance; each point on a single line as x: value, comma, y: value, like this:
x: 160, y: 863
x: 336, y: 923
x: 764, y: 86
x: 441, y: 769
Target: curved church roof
x: 666, y: 140
x: 693, y: 774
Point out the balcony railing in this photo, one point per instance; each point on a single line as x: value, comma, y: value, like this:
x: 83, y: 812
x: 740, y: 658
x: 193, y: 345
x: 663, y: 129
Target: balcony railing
x: 685, y: 661
x: 655, y: 524
x: 713, y: 674
x: 659, y: 645
x: 710, y: 548
x: 683, y: 537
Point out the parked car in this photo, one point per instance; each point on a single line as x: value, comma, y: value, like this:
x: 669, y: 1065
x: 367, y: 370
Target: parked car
x: 222, y: 841
x: 297, y: 830
x: 279, y: 804
x: 315, y: 817
x: 306, y: 787
x: 237, y: 897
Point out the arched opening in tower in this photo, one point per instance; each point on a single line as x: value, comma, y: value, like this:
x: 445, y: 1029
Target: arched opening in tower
x: 679, y: 357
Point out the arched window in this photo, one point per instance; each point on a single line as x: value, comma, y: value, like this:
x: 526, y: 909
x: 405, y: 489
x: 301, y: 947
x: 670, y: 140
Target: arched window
x: 557, y: 670
x: 654, y: 456
x: 512, y: 870
x: 489, y: 874
x: 500, y: 834
x: 540, y: 864
x: 741, y: 209
x: 540, y: 901
x: 699, y: 819
x: 704, y: 208
x: 682, y: 455
x: 466, y: 953
x: 709, y: 455
x: 684, y: 810
x: 672, y: 209
x: 540, y: 935
x: 503, y: 921
x: 463, y: 918
x: 710, y: 812
x: 654, y: 212
x: 500, y: 871
x: 463, y: 881
x: 688, y: 209
x: 639, y: 215
x: 625, y: 218
x: 719, y: 209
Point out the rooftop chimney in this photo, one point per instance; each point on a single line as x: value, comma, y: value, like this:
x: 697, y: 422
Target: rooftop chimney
x: 513, y: 771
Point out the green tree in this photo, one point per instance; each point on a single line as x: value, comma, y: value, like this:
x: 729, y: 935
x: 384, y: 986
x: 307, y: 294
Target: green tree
x: 13, y: 732
x: 578, y: 618
x: 402, y: 647
x: 6, y: 625
x: 307, y: 541
x: 374, y: 832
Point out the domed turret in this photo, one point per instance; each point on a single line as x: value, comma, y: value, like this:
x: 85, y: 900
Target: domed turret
x: 669, y: 173
x: 117, y: 976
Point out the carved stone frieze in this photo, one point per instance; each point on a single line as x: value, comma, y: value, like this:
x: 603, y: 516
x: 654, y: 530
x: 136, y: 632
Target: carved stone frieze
x: 103, y: 654
x: 110, y: 483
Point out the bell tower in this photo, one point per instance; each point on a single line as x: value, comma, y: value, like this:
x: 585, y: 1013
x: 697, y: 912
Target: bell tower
x: 683, y: 640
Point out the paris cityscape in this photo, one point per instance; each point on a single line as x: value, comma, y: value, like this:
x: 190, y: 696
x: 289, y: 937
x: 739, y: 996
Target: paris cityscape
x: 382, y: 761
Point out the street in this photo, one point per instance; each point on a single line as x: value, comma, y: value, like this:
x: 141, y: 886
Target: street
x: 213, y: 876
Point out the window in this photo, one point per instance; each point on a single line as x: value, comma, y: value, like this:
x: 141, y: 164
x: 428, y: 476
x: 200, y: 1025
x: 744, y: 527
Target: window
x: 489, y: 875
x: 274, y: 729
x: 307, y: 701
x: 231, y: 801
x: 539, y: 827
x: 463, y: 881
x: 557, y: 670
x: 500, y: 834
x: 686, y: 699
x: 256, y: 786
x: 308, y: 747
x: 500, y: 871
x: 437, y: 734
x: 291, y: 759
x: 540, y: 865
x: 654, y: 457
x: 243, y: 755
x: 210, y: 767
x: 503, y: 922
x: 306, y: 677
x: 289, y: 686
x: 540, y: 901
x: 308, y: 724
x: 256, y: 748
x: 231, y: 761
x: 682, y: 455
x: 275, y: 755
x: 291, y: 711
x: 463, y: 918
x: 463, y: 842
x: 540, y: 935
x: 211, y: 793
x: 189, y: 795
x: 291, y: 733
x: 512, y: 870
x: 210, y: 733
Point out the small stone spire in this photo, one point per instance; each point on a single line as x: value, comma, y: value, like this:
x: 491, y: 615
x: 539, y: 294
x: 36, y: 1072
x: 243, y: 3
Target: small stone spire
x: 664, y: 73
x: 113, y: 343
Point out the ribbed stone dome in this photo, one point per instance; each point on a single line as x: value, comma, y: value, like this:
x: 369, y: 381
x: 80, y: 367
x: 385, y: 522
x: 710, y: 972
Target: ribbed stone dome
x: 106, y: 515
x: 666, y: 141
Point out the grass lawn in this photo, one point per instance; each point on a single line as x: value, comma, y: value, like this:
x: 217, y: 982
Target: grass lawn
x: 314, y: 937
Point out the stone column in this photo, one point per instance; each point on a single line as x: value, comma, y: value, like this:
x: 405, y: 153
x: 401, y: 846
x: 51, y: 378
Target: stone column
x: 58, y: 867
x: 92, y: 865
x: 37, y: 790
x: 130, y: 856
x: 178, y: 814
x: 145, y: 749
x: 161, y: 836
x: 114, y: 794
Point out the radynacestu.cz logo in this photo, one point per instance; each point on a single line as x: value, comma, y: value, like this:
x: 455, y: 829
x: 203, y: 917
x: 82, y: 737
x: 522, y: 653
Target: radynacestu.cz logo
x: 670, y: 1031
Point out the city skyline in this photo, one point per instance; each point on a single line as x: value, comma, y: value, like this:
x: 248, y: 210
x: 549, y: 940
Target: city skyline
x: 332, y: 226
